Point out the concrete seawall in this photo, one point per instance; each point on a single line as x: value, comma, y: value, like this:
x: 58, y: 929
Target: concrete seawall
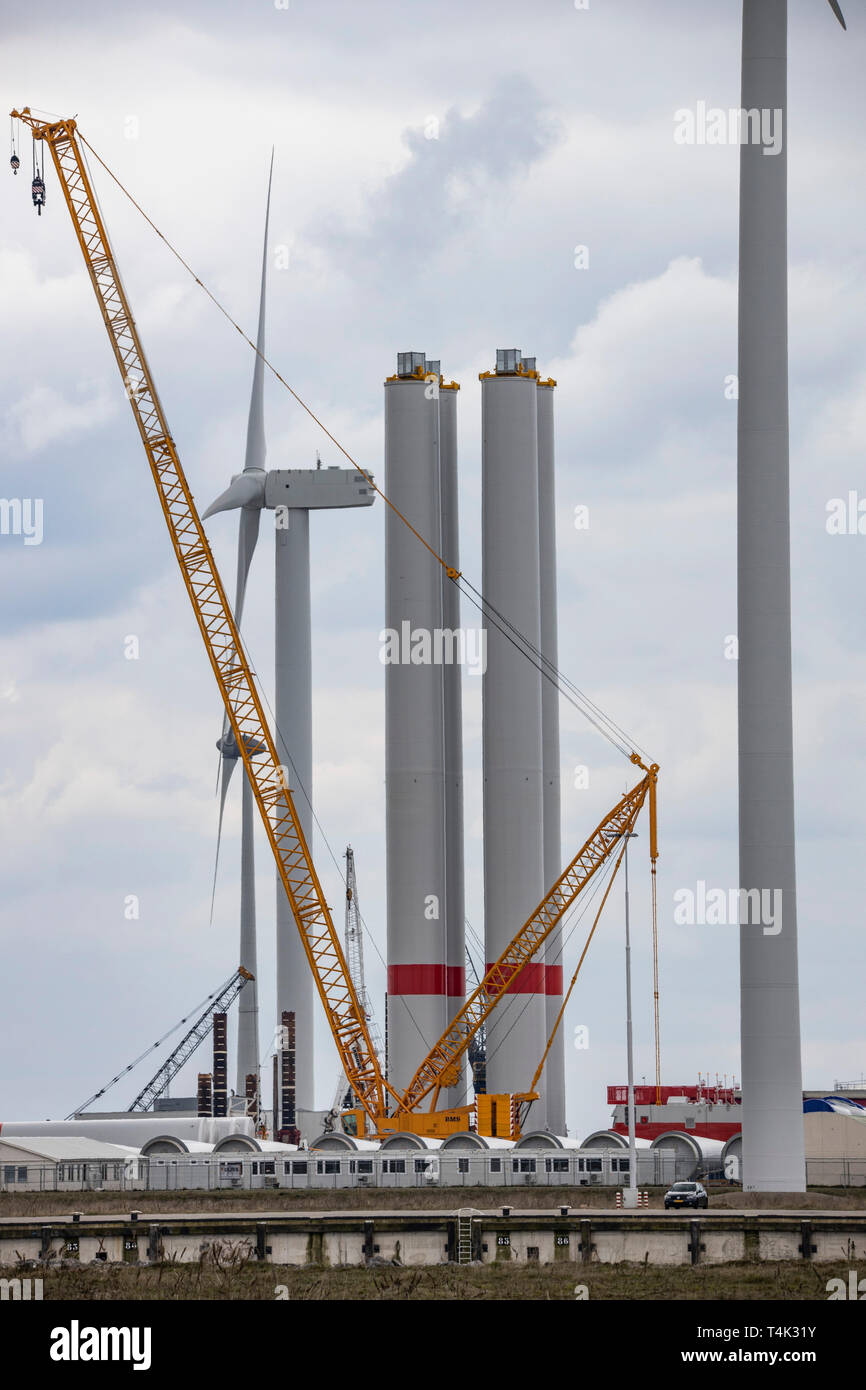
x: 431, y: 1238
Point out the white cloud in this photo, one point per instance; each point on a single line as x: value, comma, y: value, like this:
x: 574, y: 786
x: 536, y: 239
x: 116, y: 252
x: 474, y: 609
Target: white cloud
x: 43, y: 416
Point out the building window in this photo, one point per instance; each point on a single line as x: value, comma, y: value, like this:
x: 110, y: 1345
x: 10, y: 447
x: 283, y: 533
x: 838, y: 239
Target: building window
x: 463, y: 1165
x: 556, y: 1165
x: 365, y: 1165
x: 532, y: 1253
x: 255, y: 1170
x: 395, y: 1165
x: 523, y: 1165
x: 9, y: 1173
x: 496, y: 1165
x: 421, y: 1165
x: 267, y: 1168
x: 298, y: 1167
x: 593, y: 1165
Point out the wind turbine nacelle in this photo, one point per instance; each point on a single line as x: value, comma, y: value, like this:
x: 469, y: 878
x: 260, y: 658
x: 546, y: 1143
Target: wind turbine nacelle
x: 311, y: 489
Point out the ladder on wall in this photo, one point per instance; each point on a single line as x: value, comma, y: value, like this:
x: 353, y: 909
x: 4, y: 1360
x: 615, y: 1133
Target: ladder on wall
x: 464, y: 1238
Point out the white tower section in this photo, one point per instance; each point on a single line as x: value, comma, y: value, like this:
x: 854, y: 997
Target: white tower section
x: 414, y: 724
x: 452, y: 673
x: 553, y: 1079
x: 293, y: 494
x: 512, y: 742
x: 773, y: 1140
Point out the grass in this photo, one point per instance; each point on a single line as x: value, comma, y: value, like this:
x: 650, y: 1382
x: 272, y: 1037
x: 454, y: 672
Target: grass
x: 25, y: 1204
x: 228, y: 1272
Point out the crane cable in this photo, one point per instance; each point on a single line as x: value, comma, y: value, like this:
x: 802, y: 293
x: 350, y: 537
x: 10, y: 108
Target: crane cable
x: 427, y: 1043
x: 590, y: 711
x: 569, y: 691
x: 612, y: 732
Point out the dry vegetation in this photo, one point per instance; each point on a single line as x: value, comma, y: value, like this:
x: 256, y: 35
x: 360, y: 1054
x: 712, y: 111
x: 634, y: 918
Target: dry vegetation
x: 228, y: 1272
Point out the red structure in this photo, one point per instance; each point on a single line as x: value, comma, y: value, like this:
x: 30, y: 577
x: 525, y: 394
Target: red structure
x: 713, y: 1111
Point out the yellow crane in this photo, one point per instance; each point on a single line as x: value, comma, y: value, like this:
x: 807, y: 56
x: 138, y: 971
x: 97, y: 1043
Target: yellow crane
x: 380, y: 1104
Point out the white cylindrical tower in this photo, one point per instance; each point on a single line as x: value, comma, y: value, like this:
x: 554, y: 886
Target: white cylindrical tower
x: 414, y: 723
x: 513, y: 801
x: 554, y: 1068
x: 293, y: 707
x: 248, y: 1003
x: 455, y: 946
x: 773, y: 1139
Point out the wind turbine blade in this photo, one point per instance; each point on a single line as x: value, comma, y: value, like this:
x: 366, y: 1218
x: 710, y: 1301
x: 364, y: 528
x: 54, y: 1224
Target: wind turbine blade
x: 248, y: 534
x: 244, y: 490
x: 246, y: 493
x: 834, y: 6
x: 226, y: 770
x: 256, y: 450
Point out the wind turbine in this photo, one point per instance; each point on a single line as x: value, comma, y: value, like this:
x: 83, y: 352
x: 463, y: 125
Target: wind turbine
x: 291, y: 494
x: 772, y: 1083
x: 246, y: 491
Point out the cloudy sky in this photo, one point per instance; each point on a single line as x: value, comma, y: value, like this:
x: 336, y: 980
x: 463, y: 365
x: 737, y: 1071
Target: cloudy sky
x: 435, y: 169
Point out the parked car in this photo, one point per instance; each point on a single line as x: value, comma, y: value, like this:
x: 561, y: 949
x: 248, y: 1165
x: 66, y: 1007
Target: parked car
x: 686, y: 1194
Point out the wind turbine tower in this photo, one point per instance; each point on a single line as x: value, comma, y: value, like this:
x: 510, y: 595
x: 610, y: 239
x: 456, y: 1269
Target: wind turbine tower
x: 773, y: 1140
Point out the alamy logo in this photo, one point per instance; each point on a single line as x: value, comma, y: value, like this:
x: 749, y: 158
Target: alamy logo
x: 22, y: 1290
x: 846, y: 516
x: 856, y: 1288
x: 716, y: 126
x: 443, y: 646
x: 22, y: 516
x: 725, y: 907
x: 76, y: 1343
